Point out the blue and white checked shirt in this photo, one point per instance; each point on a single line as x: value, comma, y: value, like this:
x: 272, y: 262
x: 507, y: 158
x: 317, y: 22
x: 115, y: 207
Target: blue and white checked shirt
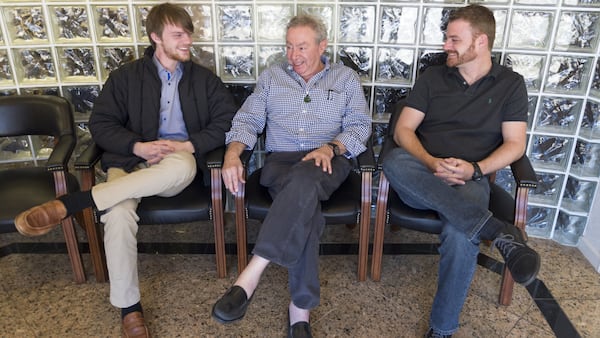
x: 337, y: 111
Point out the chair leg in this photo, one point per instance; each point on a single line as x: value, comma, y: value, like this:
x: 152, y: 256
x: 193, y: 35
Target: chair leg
x: 380, y: 213
x: 73, y: 250
x: 240, y: 225
x: 219, y: 224
x: 92, y: 230
x: 365, y: 221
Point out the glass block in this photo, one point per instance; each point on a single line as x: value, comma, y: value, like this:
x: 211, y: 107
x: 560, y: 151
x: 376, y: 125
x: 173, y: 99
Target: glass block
x: 141, y: 13
x: 272, y: 21
x: 536, y: 2
x: 435, y: 22
x: 506, y: 180
x: 8, y: 92
x: 26, y: 25
x: 500, y: 16
x: 578, y: 194
x: 531, y: 105
x: 270, y: 55
x: 357, y: 23
x: 34, y: 65
x: 41, y: 91
x: 569, y: 228
x: 240, y: 92
x: 530, y: 29
x: 586, y: 159
x: 582, y: 3
x: 201, y: 18
x: 84, y: 138
x: 539, y: 221
x: 548, y: 188
x: 568, y: 74
x: 385, y: 99
x: 70, y: 24
x: 378, y: 135
x: 77, y: 64
x: 237, y: 63
x: 358, y: 58
x: 445, y: 1
x: 577, y: 31
x: 595, y: 88
x: 323, y: 12
x: 42, y: 145
x: 430, y: 58
x: 15, y: 149
x: 234, y: 22
x: 558, y: 115
x: 6, y: 73
x: 395, y: 65
x: 398, y: 24
x: 590, y: 123
x: 112, y: 23
x: 112, y: 57
x: 550, y: 152
x: 204, y: 56
x: 529, y: 66
x: 82, y: 98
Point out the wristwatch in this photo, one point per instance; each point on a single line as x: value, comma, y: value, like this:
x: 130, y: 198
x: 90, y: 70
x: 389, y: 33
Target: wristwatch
x: 335, y: 147
x: 477, y: 174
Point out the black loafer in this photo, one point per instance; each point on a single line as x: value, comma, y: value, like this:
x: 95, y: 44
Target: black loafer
x: 232, y: 306
x: 300, y: 330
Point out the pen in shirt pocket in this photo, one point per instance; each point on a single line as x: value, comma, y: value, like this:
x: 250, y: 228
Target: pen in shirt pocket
x: 329, y: 96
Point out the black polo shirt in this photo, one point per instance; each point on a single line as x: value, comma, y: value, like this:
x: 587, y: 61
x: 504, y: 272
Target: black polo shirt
x: 465, y: 121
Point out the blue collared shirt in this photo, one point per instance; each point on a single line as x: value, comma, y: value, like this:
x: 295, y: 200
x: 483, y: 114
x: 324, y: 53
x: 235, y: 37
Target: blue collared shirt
x: 171, y: 125
x: 337, y: 110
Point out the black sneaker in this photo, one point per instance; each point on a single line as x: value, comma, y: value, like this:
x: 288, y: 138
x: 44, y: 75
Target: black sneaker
x: 433, y: 334
x: 522, y: 261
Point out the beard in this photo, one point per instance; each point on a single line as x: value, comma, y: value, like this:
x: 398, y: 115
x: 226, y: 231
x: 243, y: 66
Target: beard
x: 176, y: 54
x: 459, y: 59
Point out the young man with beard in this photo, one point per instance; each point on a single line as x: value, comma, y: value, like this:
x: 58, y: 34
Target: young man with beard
x: 316, y: 119
x: 462, y: 121
x: 155, y: 119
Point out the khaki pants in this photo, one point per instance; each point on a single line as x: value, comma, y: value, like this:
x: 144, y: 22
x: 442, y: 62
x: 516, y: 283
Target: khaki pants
x: 120, y: 196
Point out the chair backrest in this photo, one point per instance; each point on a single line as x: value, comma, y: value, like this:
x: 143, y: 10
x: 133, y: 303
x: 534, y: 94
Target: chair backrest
x: 35, y: 115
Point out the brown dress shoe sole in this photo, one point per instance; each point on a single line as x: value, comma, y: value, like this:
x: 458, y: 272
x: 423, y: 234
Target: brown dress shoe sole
x: 40, y: 219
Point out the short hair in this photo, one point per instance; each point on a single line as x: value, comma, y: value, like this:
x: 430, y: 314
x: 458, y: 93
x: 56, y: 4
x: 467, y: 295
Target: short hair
x: 306, y: 20
x: 164, y: 14
x: 480, y: 18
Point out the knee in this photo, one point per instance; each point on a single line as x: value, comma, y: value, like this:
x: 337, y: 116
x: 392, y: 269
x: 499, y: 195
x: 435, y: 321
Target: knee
x: 184, y: 165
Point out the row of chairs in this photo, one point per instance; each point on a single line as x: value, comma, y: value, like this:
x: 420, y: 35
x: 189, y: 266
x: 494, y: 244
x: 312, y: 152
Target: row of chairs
x: 350, y: 204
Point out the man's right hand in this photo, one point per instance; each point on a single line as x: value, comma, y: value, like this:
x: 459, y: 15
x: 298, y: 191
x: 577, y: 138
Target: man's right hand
x: 153, y: 151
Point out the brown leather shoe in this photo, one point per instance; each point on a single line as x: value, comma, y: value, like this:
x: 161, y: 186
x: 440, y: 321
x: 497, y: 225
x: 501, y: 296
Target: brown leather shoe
x: 41, y: 219
x: 134, y: 326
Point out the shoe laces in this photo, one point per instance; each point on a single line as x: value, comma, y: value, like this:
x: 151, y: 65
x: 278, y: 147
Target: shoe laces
x: 506, y: 243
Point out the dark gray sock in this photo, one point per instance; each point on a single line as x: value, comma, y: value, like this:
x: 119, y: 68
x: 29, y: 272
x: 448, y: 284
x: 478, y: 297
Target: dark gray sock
x: 77, y: 201
x: 491, y: 229
x: 133, y: 308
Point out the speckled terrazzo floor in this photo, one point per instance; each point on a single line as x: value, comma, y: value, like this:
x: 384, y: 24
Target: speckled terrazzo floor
x: 38, y: 297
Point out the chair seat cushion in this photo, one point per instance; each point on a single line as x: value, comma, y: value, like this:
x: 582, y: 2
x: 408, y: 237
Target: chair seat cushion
x: 192, y: 204
x: 501, y: 204
x: 23, y: 188
x: 343, y: 206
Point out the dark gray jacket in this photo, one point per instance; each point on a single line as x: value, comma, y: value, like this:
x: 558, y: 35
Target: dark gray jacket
x: 127, y: 111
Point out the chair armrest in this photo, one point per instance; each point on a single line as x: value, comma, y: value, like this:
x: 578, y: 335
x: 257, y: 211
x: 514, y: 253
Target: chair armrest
x: 214, y: 158
x: 60, y: 155
x: 523, y: 173
x: 366, y: 159
x: 388, y: 145
x: 89, y: 157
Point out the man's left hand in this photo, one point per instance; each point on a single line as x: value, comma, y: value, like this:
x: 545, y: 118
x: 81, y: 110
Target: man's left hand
x: 322, y: 157
x: 454, y: 171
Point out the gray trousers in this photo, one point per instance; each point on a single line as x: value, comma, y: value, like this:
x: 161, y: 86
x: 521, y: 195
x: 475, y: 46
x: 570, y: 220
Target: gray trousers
x: 289, y: 235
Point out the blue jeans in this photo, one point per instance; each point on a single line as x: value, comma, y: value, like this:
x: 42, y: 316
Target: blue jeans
x: 463, y: 210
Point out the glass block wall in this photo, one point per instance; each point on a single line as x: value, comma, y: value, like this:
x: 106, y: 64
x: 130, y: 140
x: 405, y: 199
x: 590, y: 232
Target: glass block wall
x: 68, y: 48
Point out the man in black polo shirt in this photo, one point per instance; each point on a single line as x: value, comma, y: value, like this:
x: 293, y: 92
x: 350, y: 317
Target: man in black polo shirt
x: 462, y: 121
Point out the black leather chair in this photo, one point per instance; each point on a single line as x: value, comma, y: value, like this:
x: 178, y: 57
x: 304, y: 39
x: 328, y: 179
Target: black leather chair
x: 195, y: 203
x: 27, y: 186
x: 391, y: 210
x: 350, y: 205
